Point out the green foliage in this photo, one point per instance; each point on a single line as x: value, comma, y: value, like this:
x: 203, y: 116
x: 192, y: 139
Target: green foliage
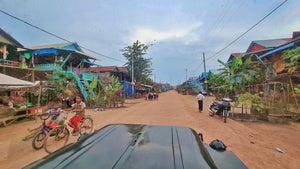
x: 247, y: 99
x: 293, y: 55
x: 297, y: 91
x: 59, y: 81
x: 238, y: 74
x: 250, y: 100
x: 141, y: 66
x: 106, y: 95
x: 93, y: 84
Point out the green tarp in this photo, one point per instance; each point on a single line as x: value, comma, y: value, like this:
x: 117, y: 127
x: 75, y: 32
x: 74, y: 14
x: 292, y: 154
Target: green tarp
x: 27, y: 55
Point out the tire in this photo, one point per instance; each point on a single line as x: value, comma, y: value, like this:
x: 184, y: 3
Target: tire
x: 56, y: 139
x: 212, y: 109
x: 39, y: 140
x: 86, y: 126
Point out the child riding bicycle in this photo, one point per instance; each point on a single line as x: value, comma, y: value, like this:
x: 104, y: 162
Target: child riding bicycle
x: 55, y: 112
x: 78, y: 107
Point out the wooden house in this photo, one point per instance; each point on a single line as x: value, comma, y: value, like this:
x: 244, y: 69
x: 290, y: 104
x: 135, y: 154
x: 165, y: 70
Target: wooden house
x: 64, y: 57
x: 106, y: 71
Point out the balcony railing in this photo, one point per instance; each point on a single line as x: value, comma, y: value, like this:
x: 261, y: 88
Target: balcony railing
x: 45, y: 67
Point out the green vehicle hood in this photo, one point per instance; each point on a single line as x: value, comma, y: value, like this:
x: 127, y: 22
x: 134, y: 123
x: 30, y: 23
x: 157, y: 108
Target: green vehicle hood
x: 128, y: 146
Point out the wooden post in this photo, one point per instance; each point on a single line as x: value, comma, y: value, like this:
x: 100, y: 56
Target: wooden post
x: 27, y: 99
x: 284, y: 95
x: 4, y: 52
x: 273, y: 100
x: 294, y: 95
x: 4, y: 57
x: 39, y: 97
x: 205, y: 78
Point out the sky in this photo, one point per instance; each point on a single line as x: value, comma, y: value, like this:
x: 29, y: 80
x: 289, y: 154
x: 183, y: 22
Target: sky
x: 180, y: 30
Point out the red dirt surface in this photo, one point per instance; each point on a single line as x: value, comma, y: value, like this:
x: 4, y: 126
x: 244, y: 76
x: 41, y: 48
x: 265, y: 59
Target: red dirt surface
x: 254, y: 143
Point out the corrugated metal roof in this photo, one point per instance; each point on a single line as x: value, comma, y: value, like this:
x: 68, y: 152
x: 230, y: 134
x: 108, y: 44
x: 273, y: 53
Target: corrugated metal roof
x: 8, y: 39
x: 273, y: 42
x: 103, y: 69
x: 89, y: 56
x: 122, y: 69
x: 277, y: 49
x: 60, y: 47
x: 237, y: 54
x: 11, y: 81
x: 45, y: 46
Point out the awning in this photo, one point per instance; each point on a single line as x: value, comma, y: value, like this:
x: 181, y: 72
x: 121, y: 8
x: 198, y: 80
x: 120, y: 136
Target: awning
x: 149, y: 86
x: 8, y: 82
x: 277, y: 49
x: 89, y: 56
x: 85, y: 61
x: 11, y: 81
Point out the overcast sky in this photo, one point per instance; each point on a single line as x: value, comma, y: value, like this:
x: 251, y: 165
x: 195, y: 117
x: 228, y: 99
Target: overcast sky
x: 180, y: 30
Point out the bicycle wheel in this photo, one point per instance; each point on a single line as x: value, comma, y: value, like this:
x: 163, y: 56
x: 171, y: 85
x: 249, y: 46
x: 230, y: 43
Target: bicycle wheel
x: 86, y: 126
x: 39, y: 140
x: 56, y: 139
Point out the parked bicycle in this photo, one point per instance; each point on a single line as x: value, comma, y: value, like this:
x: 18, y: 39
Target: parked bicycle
x: 39, y: 139
x: 59, y: 136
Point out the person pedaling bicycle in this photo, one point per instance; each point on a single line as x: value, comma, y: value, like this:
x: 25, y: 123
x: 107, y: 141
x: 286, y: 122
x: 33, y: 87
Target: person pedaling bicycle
x: 77, y: 107
x: 55, y: 112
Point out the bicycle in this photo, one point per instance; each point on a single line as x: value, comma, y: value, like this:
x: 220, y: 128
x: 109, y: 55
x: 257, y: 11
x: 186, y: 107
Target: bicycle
x: 39, y: 138
x: 59, y: 136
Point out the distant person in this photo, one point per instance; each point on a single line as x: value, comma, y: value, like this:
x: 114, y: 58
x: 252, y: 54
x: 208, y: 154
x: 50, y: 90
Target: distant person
x: 10, y: 107
x: 200, y: 99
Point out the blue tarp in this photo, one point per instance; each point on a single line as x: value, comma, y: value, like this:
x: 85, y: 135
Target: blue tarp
x: 91, y: 63
x: 127, y: 88
x: 278, y: 49
x: 45, y: 51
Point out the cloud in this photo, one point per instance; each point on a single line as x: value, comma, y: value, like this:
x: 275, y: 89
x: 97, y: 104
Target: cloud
x: 186, y: 34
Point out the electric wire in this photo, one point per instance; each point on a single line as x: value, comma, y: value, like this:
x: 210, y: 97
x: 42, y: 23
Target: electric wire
x: 219, y: 51
x: 52, y: 34
x: 247, y: 30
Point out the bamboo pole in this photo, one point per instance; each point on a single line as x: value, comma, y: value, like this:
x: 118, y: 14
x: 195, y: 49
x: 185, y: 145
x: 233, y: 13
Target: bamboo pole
x: 294, y: 94
x: 274, y: 93
x: 27, y: 98
x: 39, y: 98
x: 284, y: 95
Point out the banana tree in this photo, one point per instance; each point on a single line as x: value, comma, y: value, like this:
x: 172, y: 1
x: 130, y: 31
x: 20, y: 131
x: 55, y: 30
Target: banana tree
x: 238, y: 73
x: 293, y: 56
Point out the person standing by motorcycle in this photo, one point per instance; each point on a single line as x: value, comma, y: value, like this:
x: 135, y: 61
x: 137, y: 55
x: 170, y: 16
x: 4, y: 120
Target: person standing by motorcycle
x: 200, y: 99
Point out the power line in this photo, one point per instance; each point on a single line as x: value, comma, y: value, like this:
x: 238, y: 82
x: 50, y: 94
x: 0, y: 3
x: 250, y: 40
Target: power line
x: 248, y: 30
x: 244, y: 33
x: 219, y: 23
x: 43, y: 30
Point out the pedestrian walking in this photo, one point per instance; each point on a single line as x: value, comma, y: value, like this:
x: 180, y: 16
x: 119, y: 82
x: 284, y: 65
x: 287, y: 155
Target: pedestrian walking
x: 200, y: 99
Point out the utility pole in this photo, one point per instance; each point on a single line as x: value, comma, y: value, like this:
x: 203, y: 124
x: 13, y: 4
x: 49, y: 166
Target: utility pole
x: 132, y: 83
x: 185, y: 75
x: 205, y: 80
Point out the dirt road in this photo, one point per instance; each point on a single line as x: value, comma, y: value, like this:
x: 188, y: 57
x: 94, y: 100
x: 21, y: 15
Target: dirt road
x: 253, y: 143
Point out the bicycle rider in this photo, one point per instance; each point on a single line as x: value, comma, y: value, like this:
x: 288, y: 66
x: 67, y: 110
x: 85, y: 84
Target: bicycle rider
x: 78, y: 107
x: 55, y: 112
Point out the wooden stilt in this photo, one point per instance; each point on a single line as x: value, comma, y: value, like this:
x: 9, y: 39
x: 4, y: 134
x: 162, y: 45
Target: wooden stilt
x: 294, y: 95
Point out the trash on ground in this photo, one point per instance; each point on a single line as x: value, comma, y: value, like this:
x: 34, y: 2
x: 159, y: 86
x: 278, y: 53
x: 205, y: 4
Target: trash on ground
x: 278, y: 149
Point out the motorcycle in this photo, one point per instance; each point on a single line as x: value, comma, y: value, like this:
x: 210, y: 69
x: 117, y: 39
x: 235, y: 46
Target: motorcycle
x: 221, y: 109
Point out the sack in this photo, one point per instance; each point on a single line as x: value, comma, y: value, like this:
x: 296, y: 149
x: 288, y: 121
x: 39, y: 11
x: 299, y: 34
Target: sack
x: 217, y: 145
